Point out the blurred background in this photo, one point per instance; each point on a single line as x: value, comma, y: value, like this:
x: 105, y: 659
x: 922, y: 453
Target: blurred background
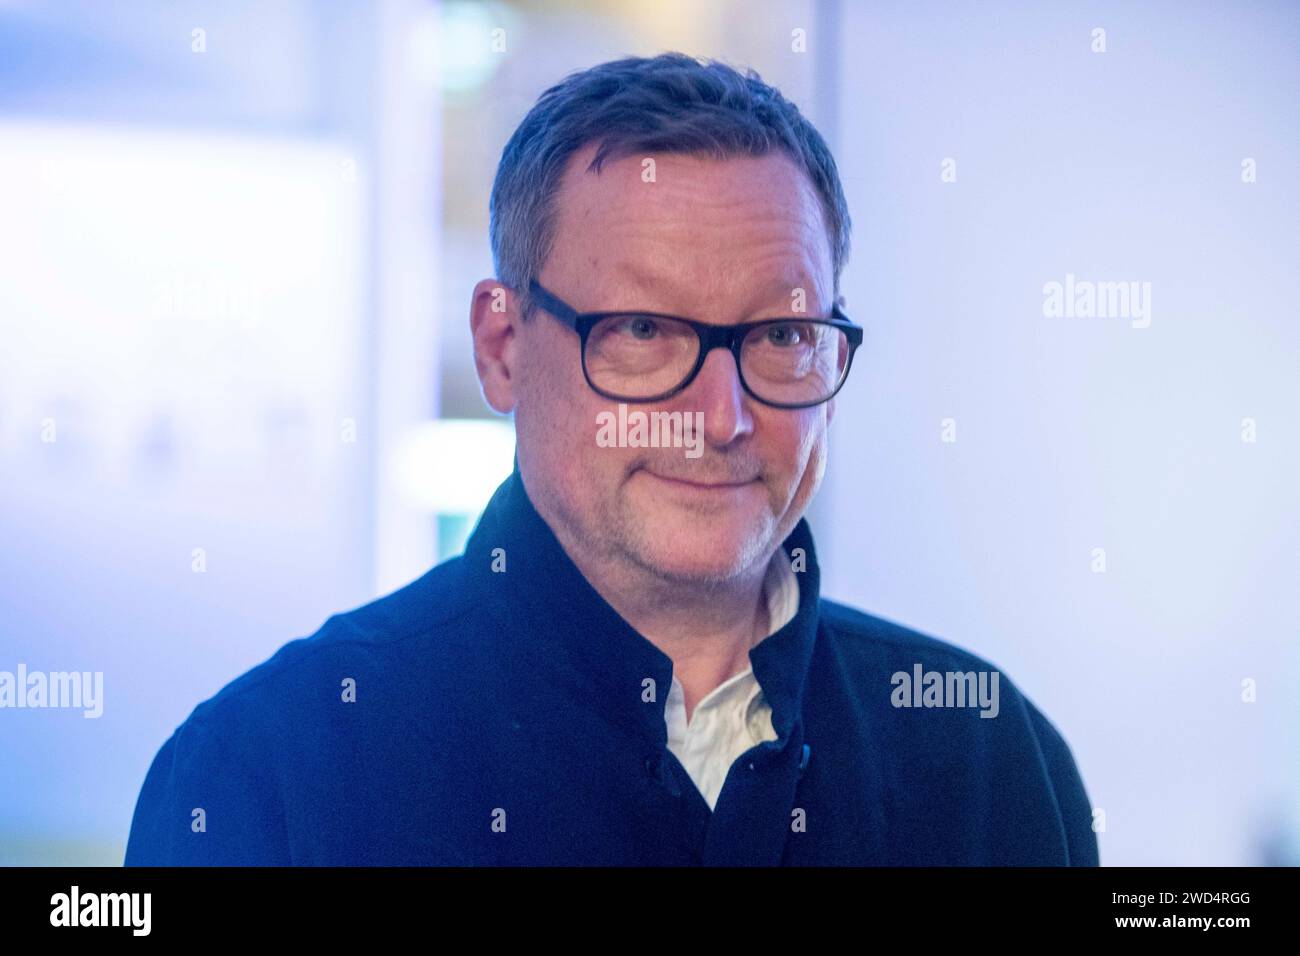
x: 237, y: 244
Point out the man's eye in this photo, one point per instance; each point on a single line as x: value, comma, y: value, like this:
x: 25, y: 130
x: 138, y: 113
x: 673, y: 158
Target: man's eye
x: 639, y: 327
x: 784, y: 335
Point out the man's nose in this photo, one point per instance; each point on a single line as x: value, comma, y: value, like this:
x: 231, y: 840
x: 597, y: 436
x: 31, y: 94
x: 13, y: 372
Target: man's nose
x: 717, y: 393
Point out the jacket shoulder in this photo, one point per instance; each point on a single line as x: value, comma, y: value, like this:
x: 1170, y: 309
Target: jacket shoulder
x: 872, y: 646
x: 856, y: 631
x: 218, y: 764
x: 378, y: 635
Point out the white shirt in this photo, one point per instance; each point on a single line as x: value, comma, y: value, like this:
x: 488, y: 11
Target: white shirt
x: 735, y: 715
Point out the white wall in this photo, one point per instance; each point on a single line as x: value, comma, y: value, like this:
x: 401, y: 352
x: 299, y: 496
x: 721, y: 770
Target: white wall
x: 1082, y: 433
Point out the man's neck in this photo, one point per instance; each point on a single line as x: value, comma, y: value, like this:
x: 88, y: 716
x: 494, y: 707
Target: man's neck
x: 707, y: 630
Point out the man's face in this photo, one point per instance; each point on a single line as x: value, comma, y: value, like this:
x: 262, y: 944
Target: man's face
x: 717, y: 241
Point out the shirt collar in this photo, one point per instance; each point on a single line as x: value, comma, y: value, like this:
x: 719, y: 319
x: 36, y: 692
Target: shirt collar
x: 781, y: 593
x: 781, y: 586
x: 513, y: 557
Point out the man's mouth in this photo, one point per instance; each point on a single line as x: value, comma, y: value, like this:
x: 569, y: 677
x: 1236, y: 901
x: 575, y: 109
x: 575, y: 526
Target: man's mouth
x: 704, y: 486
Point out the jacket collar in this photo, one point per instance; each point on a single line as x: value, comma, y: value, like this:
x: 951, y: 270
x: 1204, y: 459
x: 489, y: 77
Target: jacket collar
x: 540, y: 588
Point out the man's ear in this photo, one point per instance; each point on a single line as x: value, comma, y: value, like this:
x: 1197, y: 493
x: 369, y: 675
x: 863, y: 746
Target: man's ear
x: 493, y: 313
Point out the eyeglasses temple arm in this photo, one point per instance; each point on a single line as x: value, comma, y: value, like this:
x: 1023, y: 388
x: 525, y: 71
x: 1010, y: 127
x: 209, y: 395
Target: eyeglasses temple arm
x: 561, y: 310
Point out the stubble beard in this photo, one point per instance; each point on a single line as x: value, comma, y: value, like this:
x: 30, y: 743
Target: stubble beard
x: 631, y: 540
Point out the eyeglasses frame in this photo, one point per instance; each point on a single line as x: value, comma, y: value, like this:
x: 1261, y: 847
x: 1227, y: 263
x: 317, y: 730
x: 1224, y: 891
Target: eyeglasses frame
x: 730, y: 337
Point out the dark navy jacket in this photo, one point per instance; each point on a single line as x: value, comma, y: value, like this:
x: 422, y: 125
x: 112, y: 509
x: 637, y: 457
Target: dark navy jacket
x: 504, y: 714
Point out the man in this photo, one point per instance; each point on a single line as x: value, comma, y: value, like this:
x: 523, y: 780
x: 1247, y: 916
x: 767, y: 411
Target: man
x: 631, y: 663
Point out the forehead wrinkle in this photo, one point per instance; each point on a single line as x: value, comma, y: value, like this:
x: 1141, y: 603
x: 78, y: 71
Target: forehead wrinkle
x: 759, y: 284
x: 778, y: 252
x: 703, y: 184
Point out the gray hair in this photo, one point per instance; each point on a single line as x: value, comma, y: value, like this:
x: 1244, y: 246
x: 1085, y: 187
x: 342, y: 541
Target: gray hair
x: 671, y: 103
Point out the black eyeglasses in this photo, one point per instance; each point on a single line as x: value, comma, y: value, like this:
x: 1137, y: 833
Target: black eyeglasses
x: 791, y: 362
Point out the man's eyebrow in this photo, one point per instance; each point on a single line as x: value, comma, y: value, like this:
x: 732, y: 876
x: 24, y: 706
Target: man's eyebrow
x: 657, y: 286
x: 775, y: 296
x: 783, y: 291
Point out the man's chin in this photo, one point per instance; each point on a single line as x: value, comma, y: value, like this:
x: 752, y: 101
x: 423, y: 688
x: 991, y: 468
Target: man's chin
x: 692, y: 535
x: 701, y: 550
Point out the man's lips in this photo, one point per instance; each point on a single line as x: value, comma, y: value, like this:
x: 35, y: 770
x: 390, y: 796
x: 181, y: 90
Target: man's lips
x: 703, y: 485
